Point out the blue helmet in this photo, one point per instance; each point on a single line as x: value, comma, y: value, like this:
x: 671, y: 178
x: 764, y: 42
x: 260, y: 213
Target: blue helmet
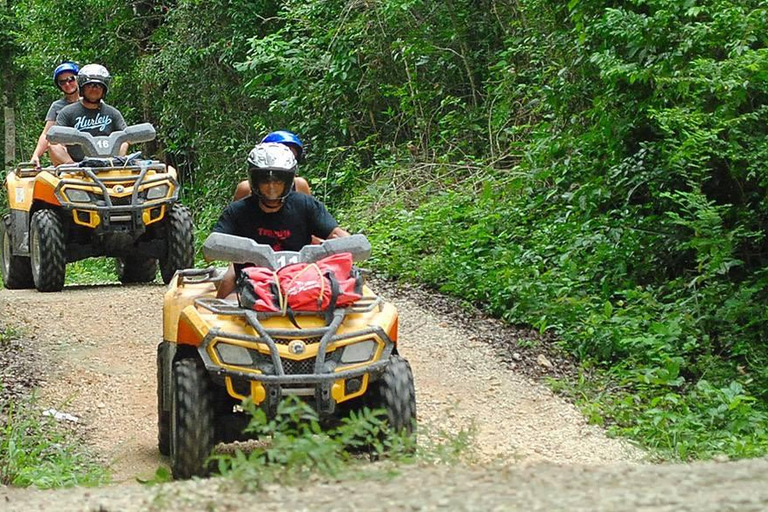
x: 64, y: 67
x: 287, y: 138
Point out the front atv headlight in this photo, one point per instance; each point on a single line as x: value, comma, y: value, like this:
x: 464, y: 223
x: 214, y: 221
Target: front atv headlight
x: 358, y: 352
x: 232, y: 354
x: 157, y: 192
x: 77, y: 195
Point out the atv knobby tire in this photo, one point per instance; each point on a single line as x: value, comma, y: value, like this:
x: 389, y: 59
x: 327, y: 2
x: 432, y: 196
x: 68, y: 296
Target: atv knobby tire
x: 179, y: 242
x: 16, y: 270
x: 192, y: 420
x: 47, y: 251
x: 396, y: 394
x: 163, y: 415
x: 134, y: 269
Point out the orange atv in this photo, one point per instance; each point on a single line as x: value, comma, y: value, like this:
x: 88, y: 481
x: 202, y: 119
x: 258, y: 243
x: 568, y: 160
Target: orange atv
x: 216, y: 353
x: 123, y: 207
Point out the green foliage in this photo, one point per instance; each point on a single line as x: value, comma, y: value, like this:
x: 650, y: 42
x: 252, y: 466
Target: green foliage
x: 295, y: 445
x: 35, y: 451
x: 592, y: 169
x: 91, y: 271
x: 675, y: 422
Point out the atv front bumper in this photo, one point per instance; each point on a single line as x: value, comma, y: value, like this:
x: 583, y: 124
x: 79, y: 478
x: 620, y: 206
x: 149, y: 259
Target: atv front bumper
x: 312, y: 363
x: 118, y: 204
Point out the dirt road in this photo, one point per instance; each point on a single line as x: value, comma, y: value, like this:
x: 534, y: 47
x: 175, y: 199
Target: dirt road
x: 99, y: 345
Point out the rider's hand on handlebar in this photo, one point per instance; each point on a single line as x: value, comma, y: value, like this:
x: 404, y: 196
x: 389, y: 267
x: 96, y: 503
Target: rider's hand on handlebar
x: 35, y: 160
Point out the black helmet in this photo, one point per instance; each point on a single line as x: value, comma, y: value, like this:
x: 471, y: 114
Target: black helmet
x: 94, y: 74
x: 271, y: 161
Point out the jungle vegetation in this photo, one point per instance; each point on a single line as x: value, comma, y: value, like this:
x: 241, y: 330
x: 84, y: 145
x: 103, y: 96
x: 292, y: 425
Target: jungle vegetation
x: 591, y: 168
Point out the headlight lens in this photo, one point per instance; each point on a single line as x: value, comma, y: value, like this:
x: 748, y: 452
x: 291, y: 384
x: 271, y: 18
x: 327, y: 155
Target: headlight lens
x: 358, y: 352
x: 232, y: 354
x: 77, y: 195
x: 157, y: 192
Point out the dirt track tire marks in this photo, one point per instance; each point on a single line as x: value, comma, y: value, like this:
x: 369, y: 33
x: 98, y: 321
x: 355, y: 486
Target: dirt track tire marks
x: 180, y: 248
x: 192, y: 420
x: 48, y: 251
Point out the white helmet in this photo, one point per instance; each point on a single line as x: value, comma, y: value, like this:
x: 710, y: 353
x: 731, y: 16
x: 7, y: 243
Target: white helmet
x: 270, y: 161
x: 94, y: 74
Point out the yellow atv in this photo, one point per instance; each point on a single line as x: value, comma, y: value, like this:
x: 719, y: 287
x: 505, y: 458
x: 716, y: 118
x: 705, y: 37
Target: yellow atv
x: 123, y: 207
x: 214, y: 354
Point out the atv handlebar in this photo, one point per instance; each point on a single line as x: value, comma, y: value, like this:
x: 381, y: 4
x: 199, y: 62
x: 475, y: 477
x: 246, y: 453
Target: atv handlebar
x: 237, y: 249
x: 101, y: 146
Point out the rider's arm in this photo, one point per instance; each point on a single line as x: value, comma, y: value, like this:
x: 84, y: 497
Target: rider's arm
x: 120, y: 124
x: 338, y: 233
x: 42, y: 144
x: 227, y: 283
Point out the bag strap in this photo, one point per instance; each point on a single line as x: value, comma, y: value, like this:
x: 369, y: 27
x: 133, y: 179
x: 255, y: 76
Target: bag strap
x: 335, y: 291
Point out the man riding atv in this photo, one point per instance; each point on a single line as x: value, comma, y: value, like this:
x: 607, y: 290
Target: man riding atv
x: 273, y: 214
x: 91, y: 114
x: 304, y: 324
x: 98, y: 202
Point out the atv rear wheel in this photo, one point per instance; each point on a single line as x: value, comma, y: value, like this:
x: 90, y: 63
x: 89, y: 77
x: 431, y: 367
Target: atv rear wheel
x: 180, y: 242
x: 47, y: 251
x: 192, y: 420
x: 133, y: 269
x: 396, y: 394
x: 16, y: 270
x: 163, y: 415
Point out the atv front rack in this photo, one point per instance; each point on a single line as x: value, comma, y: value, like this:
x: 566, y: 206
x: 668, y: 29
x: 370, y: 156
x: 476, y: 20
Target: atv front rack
x: 227, y: 307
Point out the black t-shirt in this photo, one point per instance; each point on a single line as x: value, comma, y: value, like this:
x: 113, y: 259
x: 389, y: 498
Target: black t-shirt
x: 98, y: 122
x: 288, y: 229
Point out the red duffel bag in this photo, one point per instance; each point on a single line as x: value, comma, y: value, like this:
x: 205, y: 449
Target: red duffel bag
x: 322, y: 286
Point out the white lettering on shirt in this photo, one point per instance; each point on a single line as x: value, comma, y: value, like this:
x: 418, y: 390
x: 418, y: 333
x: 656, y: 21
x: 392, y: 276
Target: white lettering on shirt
x: 101, y: 122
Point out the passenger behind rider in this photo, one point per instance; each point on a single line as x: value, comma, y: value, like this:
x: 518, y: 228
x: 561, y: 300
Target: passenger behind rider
x: 273, y: 214
x: 91, y: 114
x: 294, y: 143
x: 65, y: 78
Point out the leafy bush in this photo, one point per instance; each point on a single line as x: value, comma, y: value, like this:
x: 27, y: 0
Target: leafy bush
x: 294, y: 445
x: 35, y: 451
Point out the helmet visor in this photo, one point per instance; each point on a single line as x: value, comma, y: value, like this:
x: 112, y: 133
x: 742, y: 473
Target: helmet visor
x: 270, y: 183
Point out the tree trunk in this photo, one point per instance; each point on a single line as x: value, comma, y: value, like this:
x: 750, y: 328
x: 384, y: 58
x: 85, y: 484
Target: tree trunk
x: 10, y: 131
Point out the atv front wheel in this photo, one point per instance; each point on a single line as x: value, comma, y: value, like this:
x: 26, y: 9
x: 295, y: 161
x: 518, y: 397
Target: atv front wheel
x: 47, y: 251
x: 163, y: 416
x: 396, y: 394
x: 192, y: 420
x: 16, y: 270
x: 179, y: 242
x: 133, y: 269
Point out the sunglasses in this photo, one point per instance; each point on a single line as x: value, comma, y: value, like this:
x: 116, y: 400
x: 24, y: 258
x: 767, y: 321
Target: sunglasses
x: 67, y: 80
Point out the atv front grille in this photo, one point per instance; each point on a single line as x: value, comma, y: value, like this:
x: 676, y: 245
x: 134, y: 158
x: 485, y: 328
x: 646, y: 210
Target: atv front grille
x: 308, y: 341
x: 121, y: 201
x: 303, y: 367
